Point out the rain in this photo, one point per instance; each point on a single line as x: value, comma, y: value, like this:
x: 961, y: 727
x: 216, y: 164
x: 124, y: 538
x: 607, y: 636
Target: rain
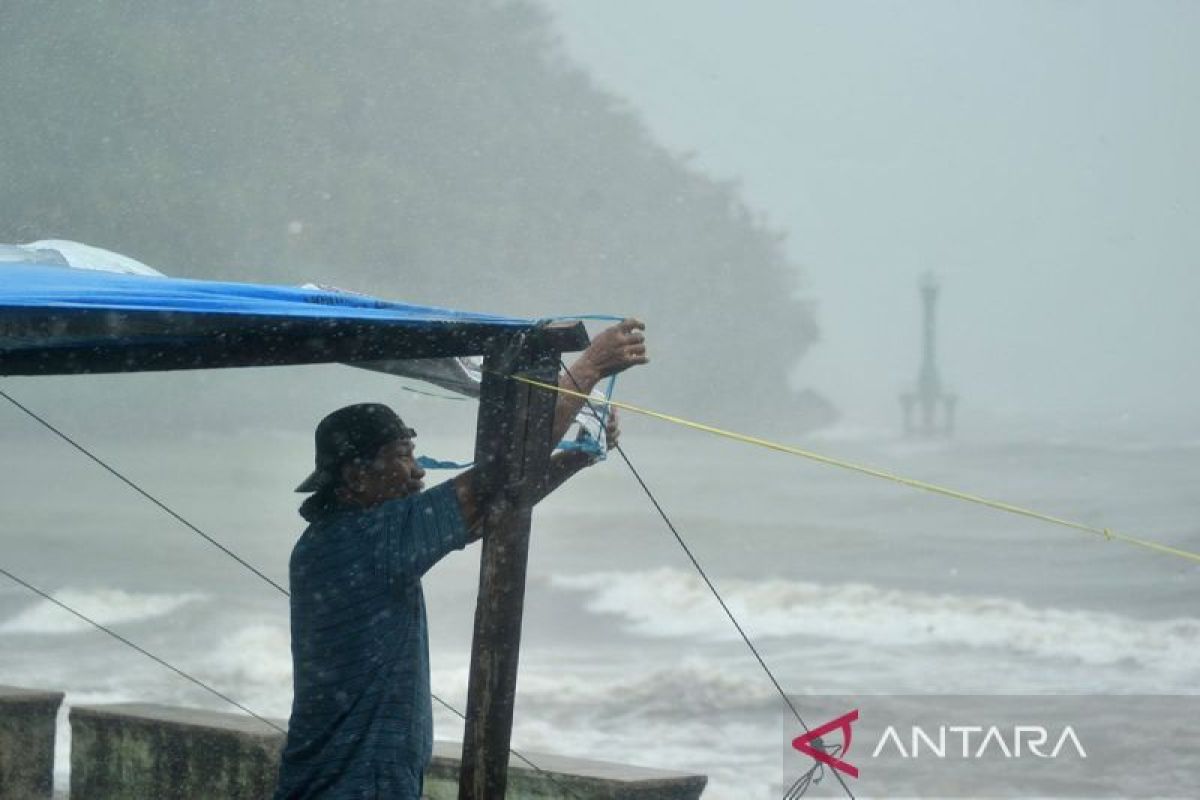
x: 769, y: 187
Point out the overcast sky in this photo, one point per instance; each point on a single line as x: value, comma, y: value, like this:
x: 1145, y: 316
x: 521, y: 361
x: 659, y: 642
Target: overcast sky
x: 1039, y: 156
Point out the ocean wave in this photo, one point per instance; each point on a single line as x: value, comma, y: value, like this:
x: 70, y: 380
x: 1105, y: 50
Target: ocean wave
x: 259, y: 653
x: 668, y: 603
x: 691, y: 687
x: 105, y: 606
x: 254, y: 662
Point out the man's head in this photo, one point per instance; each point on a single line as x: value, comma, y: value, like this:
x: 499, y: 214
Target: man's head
x: 365, y: 454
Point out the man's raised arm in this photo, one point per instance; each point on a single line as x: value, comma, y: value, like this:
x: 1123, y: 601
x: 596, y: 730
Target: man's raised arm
x: 614, y: 350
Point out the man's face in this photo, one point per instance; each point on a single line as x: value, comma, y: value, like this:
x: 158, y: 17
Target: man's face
x: 392, y: 474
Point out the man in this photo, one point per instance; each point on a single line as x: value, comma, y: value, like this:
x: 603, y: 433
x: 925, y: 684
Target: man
x: 362, y: 718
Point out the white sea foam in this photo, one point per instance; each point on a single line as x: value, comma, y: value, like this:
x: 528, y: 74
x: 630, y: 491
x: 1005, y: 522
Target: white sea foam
x: 105, y: 606
x: 254, y: 662
x: 697, y: 714
x: 694, y: 686
x: 739, y: 758
x: 670, y: 603
x: 258, y: 653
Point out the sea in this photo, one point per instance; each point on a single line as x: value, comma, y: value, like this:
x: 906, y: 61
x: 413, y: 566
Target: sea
x: 846, y: 584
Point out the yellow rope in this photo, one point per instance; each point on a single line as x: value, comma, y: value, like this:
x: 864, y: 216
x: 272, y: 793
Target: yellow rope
x: 1107, y: 533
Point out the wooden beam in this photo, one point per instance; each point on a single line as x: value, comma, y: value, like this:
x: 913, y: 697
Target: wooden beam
x: 90, y: 343
x: 512, y: 452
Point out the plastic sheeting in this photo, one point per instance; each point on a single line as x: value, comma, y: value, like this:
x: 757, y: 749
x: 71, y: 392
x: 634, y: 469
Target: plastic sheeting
x: 60, y: 289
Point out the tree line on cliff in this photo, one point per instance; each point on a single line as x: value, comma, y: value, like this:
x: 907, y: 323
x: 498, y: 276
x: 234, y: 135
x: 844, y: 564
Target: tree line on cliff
x: 439, y: 153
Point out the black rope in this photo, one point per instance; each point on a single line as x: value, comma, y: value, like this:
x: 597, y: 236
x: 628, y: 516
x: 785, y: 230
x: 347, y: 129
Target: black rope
x: 141, y: 650
x: 724, y: 606
x: 142, y: 491
x: 113, y: 471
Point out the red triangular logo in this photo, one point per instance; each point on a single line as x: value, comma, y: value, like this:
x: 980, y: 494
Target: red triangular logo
x: 805, y: 743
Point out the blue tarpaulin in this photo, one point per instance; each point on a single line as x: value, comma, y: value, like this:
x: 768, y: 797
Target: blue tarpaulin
x: 57, y: 319
x: 52, y: 288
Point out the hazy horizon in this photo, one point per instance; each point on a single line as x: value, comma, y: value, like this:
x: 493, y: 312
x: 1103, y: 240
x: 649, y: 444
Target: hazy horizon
x: 1037, y: 156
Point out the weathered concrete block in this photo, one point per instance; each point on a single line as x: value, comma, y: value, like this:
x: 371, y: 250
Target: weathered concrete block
x: 27, y: 742
x: 564, y: 778
x: 134, y: 751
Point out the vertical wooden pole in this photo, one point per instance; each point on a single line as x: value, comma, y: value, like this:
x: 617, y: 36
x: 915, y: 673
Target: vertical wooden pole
x: 512, y: 452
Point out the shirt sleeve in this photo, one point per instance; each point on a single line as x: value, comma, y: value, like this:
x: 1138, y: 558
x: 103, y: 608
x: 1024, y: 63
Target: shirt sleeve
x: 421, y: 529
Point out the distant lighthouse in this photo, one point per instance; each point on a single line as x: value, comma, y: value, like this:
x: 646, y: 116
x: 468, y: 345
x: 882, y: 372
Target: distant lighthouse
x: 929, y: 399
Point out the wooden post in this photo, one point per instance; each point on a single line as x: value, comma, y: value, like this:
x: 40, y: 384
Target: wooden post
x: 512, y: 453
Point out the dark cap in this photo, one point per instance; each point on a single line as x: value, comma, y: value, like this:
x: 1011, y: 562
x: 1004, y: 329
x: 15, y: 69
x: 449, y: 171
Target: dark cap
x: 352, y: 433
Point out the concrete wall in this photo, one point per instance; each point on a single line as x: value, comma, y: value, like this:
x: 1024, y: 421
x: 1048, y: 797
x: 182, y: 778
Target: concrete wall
x: 27, y: 742
x: 134, y: 751
x: 139, y: 751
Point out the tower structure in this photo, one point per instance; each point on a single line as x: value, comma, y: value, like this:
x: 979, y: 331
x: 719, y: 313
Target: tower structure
x: 929, y: 399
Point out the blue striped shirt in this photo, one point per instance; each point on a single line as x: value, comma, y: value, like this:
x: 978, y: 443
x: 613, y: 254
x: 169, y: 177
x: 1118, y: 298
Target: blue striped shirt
x: 362, y: 720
